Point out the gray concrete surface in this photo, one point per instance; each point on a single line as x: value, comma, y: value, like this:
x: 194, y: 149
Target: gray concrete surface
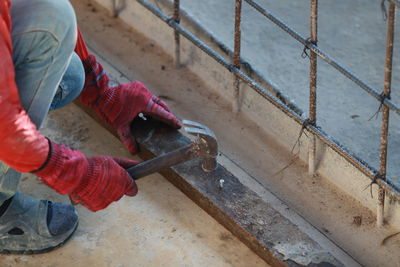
x: 353, y: 32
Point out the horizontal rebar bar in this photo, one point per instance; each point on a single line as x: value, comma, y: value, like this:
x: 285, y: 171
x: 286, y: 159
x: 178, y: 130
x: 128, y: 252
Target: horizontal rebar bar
x: 364, y: 167
x: 373, y: 92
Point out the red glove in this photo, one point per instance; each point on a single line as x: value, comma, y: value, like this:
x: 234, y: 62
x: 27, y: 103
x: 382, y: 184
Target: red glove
x: 118, y: 106
x: 92, y: 182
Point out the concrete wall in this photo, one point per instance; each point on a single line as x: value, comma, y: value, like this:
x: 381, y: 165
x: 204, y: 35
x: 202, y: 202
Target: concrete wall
x: 330, y: 164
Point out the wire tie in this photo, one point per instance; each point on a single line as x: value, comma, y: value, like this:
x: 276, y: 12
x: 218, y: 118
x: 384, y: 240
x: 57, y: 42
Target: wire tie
x: 374, y: 181
x: 304, y: 125
x: 306, y: 47
x: 382, y: 98
x: 232, y: 68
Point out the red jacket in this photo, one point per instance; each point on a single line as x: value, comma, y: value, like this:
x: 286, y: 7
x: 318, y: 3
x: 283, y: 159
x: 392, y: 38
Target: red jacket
x: 22, y: 147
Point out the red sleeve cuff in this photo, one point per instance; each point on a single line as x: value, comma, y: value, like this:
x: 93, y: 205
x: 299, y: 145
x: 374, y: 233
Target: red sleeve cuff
x: 80, y: 47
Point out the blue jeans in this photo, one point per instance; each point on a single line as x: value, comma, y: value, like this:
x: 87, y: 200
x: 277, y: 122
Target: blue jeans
x: 49, y: 74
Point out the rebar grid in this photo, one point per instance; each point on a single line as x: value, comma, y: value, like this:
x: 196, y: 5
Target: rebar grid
x: 323, y: 55
x: 361, y: 165
x: 385, y: 110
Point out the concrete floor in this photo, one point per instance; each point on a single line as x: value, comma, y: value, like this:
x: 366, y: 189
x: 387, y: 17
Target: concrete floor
x: 159, y: 227
x: 353, y: 32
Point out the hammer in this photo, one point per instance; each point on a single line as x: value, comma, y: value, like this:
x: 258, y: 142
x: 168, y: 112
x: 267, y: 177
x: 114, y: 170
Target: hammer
x: 204, y: 146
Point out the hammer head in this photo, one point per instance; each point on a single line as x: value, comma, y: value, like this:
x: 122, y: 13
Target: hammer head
x: 207, y: 143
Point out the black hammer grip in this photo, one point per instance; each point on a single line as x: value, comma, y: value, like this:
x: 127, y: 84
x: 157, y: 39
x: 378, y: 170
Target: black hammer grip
x: 164, y: 161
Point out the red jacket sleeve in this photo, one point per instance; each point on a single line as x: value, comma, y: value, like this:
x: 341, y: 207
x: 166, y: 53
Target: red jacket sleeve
x: 22, y: 147
x: 80, y: 48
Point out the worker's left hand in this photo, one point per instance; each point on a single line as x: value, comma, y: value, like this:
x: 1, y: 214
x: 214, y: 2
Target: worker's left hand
x: 94, y: 182
x: 120, y: 105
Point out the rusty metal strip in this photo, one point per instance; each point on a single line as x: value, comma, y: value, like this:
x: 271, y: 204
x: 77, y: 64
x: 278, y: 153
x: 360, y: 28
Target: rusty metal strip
x: 361, y: 165
x: 252, y: 220
x: 255, y: 222
x: 262, y: 228
x: 385, y: 111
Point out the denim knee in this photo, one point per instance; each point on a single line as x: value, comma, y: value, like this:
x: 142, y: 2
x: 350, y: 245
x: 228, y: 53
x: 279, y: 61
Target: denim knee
x: 71, y: 84
x: 53, y: 17
x: 66, y: 32
x: 44, y: 36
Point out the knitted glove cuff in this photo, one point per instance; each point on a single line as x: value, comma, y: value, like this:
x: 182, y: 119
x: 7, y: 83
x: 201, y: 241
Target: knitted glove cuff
x: 57, y: 172
x: 95, y: 83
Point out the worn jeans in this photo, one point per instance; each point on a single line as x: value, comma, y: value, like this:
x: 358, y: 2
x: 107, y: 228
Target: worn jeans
x: 49, y: 74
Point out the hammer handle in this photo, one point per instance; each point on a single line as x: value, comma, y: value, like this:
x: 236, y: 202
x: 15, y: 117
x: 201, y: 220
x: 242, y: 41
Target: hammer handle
x: 164, y: 161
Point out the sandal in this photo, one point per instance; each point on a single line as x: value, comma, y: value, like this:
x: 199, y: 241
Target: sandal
x: 31, y: 226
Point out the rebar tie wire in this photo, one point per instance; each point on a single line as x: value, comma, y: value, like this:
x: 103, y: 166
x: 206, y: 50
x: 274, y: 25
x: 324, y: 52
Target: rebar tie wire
x: 304, y: 126
x: 170, y: 20
x: 382, y: 97
x: 307, y: 47
x: 374, y: 181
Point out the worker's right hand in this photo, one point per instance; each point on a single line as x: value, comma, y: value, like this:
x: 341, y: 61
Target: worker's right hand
x: 93, y: 182
x: 119, y: 105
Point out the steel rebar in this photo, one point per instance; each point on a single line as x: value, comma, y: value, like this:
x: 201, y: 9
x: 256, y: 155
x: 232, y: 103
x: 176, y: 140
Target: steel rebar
x: 177, y: 18
x: 364, y: 167
x: 385, y: 111
x: 313, y: 48
x: 313, y: 84
x: 236, y: 55
x: 396, y: 2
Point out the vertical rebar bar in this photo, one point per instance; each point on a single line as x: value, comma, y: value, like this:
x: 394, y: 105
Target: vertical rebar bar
x: 236, y: 55
x: 177, y: 19
x: 385, y: 112
x: 313, y: 84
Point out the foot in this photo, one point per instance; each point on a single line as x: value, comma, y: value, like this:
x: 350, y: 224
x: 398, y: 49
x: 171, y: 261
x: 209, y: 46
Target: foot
x: 31, y: 226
